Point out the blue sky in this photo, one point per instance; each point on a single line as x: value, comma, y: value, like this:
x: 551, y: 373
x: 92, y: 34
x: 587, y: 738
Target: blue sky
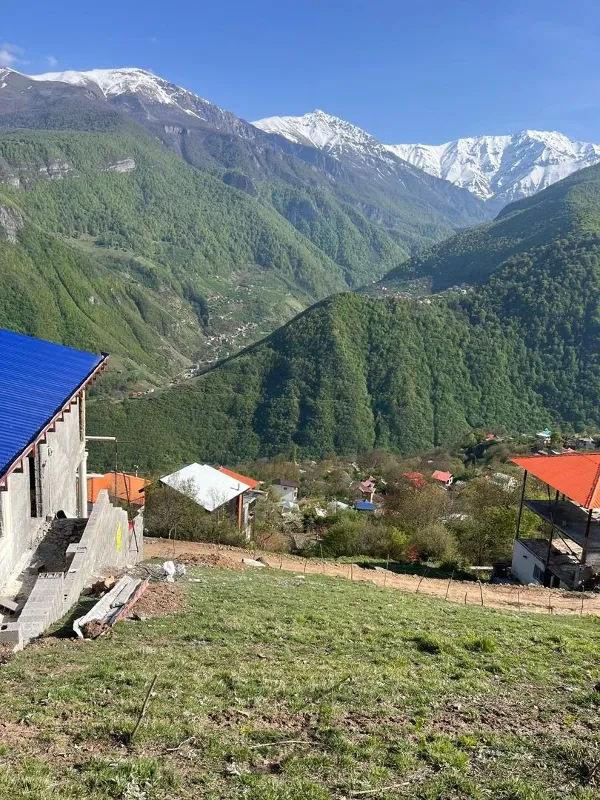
x: 428, y: 71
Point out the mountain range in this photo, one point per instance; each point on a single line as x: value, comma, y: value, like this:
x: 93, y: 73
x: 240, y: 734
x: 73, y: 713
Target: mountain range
x: 138, y: 218
x: 174, y: 232
x: 498, y: 169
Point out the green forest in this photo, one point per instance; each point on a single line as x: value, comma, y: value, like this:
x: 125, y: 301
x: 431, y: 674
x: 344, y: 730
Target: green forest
x: 354, y: 373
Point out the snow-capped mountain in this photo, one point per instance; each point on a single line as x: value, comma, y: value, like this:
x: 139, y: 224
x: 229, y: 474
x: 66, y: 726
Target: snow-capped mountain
x: 336, y: 137
x: 117, y: 82
x: 327, y: 152
x: 321, y: 130
x: 358, y: 150
x: 502, y: 168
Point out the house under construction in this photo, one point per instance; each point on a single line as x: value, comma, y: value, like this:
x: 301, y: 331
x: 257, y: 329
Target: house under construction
x: 570, y: 557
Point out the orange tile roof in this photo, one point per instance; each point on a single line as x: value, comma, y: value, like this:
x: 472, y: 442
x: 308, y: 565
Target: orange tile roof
x: 440, y: 475
x: 129, y: 487
x: 576, y: 475
x: 241, y: 478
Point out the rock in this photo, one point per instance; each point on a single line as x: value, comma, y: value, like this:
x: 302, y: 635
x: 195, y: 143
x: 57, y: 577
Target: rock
x: 126, y: 165
x: 11, y: 222
x: 252, y: 562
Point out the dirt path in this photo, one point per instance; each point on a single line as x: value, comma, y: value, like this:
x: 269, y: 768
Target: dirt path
x: 515, y: 598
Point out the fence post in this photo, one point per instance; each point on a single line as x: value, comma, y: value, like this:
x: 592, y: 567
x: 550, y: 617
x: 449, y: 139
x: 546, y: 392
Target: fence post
x: 448, y: 587
x: 481, y: 591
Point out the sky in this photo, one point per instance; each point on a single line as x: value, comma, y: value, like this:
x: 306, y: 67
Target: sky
x: 427, y: 71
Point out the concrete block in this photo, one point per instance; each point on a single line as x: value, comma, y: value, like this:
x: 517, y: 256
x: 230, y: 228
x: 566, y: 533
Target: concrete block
x: 251, y: 562
x: 8, y: 605
x: 11, y: 632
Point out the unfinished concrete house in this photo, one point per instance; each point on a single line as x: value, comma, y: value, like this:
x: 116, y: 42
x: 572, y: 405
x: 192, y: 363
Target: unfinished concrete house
x: 567, y: 499
x: 50, y: 544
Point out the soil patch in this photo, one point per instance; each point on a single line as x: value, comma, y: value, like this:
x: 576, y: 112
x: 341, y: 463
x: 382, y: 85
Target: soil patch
x: 6, y: 652
x: 94, y: 628
x: 217, y: 559
x: 159, y: 600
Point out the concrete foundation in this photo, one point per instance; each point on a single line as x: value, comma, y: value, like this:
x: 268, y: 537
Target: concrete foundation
x: 71, y: 554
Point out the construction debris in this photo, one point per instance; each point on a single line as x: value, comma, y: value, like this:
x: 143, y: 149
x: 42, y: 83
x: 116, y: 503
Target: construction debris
x: 103, y: 585
x: 114, y: 606
x: 8, y: 605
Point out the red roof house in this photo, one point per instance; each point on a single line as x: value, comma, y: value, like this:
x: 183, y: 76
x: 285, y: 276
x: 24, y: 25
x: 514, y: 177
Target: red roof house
x: 443, y: 477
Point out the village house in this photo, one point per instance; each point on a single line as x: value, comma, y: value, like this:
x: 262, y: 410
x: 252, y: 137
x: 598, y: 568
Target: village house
x: 569, y: 557
x: 366, y: 489
x: 445, y: 478
x: 285, y: 490
x: 43, y: 484
x: 218, y: 491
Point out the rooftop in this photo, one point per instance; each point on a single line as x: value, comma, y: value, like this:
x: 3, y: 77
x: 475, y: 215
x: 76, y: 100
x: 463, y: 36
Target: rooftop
x: 207, y: 486
x: 242, y: 478
x: 286, y: 482
x: 576, y: 475
x: 37, y: 380
x: 129, y: 488
x: 440, y: 475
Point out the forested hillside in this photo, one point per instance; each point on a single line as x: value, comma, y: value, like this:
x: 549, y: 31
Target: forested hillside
x: 520, y: 350
x: 570, y: 206
x: 108, y: 242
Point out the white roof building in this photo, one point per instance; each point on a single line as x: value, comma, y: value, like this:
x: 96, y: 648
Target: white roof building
x: 209, y: 487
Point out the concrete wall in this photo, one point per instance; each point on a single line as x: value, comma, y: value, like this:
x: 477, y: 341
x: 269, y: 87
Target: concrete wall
x: 107, y: 541
x: 16, y: 526
x: 56, y: 463
x: 524, y: 563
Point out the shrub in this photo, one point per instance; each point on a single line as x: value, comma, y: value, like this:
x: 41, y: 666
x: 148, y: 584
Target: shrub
x: 480, y: 644
x: 434, y: 542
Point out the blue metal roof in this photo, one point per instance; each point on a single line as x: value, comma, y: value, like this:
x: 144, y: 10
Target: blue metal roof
x: 36, y: 379
x: 364, y: 505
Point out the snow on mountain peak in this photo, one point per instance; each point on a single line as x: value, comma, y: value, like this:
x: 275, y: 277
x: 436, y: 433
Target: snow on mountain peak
x: 503, y: 168
x: 321, y: 130
x: 127, y: 80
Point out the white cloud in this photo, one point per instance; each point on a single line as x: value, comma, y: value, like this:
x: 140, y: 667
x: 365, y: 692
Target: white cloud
x: 52, y: 61
x: 10, y: 54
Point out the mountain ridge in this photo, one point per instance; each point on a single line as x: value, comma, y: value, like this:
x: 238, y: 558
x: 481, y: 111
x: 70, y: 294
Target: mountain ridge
x: 504, y: 168
x: 497, y: 169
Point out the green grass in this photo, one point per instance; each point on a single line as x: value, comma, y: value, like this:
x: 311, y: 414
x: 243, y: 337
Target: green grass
x: 271, y: 687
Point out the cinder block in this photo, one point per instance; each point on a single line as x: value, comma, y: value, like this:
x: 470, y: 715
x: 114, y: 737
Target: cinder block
x: 12, y: 633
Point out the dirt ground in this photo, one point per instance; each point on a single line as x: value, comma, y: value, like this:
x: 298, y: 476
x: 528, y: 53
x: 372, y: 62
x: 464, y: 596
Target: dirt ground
x: 159, y: 600
x: 515, y: 598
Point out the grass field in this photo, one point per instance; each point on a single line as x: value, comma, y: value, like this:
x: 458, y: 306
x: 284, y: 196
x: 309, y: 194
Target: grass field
x: 274, y: 687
